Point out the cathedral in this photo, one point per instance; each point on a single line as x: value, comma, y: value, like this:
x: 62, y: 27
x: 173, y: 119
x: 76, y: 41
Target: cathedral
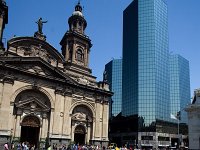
x: 49, y: 97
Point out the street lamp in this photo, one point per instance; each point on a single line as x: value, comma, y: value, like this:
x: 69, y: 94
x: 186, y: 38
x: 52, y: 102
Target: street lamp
x: 178, y: 116
x: 87, y: 119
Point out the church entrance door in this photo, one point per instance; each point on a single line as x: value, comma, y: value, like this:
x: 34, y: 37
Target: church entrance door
x: 79, y: 135
x: 30, y: 129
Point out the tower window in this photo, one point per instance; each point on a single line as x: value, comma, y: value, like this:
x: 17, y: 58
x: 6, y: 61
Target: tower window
x: 74, y: 24
x: 80, y: 24
x: 79, y: 55
x: 70, y: 54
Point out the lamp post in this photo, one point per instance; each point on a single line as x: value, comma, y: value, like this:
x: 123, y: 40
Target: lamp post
x: 87, y: 128
x: 178, y: 115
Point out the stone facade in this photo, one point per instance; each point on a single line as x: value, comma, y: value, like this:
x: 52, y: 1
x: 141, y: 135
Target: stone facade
x: 193, y: 111
x: 47, y: 97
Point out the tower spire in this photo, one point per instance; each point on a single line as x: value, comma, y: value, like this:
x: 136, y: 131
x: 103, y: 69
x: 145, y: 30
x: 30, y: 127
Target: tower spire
x: 78, y: 7
x: 76, y: 44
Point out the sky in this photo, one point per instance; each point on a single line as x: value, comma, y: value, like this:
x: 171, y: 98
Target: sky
x: 104, y: 19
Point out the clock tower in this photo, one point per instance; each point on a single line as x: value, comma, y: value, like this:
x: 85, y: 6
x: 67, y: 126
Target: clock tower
x: 76, y: 44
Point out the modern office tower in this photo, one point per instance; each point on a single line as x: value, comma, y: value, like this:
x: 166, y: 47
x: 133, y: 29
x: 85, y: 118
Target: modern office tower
x: 145, y: 120
x: 114, y: 77
x: 145, y: 61
x: 145, y: 77
x: 179, y: 85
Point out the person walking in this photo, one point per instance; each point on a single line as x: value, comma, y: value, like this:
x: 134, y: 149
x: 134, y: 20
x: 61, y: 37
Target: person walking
x: 19, y: 146
x: 49, y: 147
x: 6, y: 146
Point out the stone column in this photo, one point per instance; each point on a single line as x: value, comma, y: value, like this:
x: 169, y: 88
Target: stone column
x: 67, y: 51
x: 73, y: 52
x: 1, y: 91
x: 1, y: 27
x: 44, y: 127
x: 72, y: 132
x: 51, y: 123
x: 93, y: 127
x: 88, y: 133
x: 86, y: 57
x: 18, y: 127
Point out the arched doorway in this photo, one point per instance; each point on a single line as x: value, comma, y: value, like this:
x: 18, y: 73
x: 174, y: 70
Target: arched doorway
x: 82, y: 124
x: 32, y: 109
x: 79, y: 135
x: 30, y: 129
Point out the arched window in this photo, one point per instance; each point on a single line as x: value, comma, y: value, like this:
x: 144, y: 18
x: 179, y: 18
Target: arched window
x: 79, y: 55
x: 70, y: 54
x: 74, y: 24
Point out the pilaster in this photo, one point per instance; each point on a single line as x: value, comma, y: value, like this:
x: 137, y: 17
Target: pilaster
x: 67, y: 118
x: 44, y: 128
x: 67, y: 51
x: 88, y: 134
x: 5, y: 115
x: 74, y: 52
x: 105, y: 113
x: 17, y: 127
x: 1, y: 27
x: 1, y: 91
x: 51, y: 123
x: 86, y: 57
x: 58, y: 114
x: 98, y: 124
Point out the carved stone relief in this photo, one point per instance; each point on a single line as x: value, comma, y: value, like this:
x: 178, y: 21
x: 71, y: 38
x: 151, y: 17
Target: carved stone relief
x: 36, y: 51
x: 32, y: 102
x: 82, y: 113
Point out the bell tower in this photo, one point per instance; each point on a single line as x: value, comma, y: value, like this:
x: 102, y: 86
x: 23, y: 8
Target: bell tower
x: 76, y: 44
x: 3, y: 20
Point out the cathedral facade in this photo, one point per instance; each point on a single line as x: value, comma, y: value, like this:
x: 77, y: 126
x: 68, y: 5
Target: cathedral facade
x: 48, y: 97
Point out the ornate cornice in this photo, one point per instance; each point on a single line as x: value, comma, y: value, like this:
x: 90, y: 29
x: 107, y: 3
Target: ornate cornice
x: 64, y: 91
x: 5, y: 78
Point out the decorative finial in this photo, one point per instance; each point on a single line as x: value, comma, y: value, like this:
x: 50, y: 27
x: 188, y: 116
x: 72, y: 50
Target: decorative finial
x: 78, y: 7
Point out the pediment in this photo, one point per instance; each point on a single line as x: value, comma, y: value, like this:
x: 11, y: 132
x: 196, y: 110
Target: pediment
x: 39, y: 67
x: 34, y: 47
x: 33, y: 104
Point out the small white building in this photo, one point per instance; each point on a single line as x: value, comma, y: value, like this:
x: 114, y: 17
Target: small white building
x: 193, y: 111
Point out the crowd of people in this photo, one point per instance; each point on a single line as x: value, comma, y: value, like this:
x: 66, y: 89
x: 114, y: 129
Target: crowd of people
x: 19, y: 146
x: 28, y: 146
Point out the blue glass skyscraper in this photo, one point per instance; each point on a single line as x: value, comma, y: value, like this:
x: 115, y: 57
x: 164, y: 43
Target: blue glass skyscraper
x: 149, y: 95
x: 145, y: 89
x: 114, y: 74
x: 179, y: 85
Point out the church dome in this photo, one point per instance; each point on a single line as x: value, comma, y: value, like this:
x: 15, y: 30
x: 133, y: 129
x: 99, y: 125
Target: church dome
x: 77, y: 13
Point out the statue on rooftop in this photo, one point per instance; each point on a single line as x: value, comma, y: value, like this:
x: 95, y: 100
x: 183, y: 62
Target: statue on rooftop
x: 40, y: 25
